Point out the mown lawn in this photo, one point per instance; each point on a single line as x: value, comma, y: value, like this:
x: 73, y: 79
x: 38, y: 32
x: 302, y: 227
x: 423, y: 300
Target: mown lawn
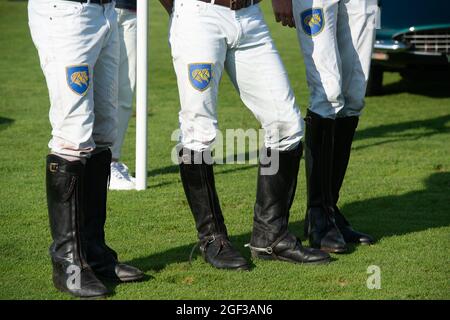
x: 397, y: 188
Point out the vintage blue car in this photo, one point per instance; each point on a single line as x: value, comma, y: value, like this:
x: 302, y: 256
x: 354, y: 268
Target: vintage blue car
x: 414, y: 37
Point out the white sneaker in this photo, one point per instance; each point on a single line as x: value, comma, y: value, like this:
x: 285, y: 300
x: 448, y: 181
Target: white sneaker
x: 120, y: 177
x: 125, y: 171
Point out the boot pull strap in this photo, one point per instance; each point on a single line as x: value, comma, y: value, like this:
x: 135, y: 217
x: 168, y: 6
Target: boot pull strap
x: 269, y: 249
x: 207, y: 241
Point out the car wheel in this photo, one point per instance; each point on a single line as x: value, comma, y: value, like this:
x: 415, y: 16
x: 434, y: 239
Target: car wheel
x: 375, y: 82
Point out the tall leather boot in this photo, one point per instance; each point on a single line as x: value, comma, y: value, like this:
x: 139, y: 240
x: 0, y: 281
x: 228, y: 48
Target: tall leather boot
x: 271, y: 239
x: 197, y: 177
x: 71, y: 272
x: 320, y: 225
x: 344, y: 132
x: 100, y: 257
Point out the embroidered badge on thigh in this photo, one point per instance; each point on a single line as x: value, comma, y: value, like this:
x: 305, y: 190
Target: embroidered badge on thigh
x: 312, y: 21
x: 78, y: 78
x: 200, y: 75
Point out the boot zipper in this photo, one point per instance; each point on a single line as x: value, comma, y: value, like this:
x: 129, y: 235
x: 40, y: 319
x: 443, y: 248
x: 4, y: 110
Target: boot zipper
x: 77, y: 228
x: 211, y: 199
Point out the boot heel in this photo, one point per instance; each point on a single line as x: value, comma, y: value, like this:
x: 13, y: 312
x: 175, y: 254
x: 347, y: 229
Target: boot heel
x: 58, y: 281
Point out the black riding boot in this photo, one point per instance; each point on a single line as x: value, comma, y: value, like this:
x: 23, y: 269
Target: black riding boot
x: 197, y: 177
x: 71, y: 272
x: 320, y: 223
x: 100, y: 257
x: 275, y: 193
x: 344, y: 132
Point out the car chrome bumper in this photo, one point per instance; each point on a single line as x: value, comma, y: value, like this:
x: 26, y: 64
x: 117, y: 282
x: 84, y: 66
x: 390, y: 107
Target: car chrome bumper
x: 390, y: 45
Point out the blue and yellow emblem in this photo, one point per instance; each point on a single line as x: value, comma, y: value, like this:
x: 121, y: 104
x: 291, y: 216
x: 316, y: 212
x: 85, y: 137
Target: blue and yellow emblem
x: 312, y: 21
x: 200, y: 75
x: 78, y: 78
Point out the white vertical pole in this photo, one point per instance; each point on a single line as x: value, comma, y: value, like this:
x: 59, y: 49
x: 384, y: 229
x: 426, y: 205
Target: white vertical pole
x: 141, y: 95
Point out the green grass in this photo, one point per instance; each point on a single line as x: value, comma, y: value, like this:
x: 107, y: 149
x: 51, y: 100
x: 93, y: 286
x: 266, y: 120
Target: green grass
x: 397, y: 188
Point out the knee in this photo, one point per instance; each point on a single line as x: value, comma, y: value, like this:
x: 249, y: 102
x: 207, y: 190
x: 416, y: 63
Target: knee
x: 327, y: 101
x: 125, y: 98
x: 197, y: 132
x: 354, y: 103
x: 105, y: 138
x: 351, y: 110
x: 285, y: 134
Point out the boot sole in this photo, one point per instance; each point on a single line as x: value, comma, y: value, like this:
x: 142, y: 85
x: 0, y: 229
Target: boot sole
x: 131, y: 279
x: 363, y: 243
x: 241, y: 268
x: 360, y: 243
x: 94, y: 298
x: 330, y: 250
x: 121, y: 280
x: 65, y: 290
x: 333, y: 250
x: 270, y: 258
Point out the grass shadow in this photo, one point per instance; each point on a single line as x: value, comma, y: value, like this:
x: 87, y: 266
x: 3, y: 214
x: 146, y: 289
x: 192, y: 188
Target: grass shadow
x: 162, y: 171
x: 5, y: 123
x: 411, y: 212
x: 382, y: 217
x: 401, y: 131
x: 218, y: 170
x: 173, y: 168
x: 159, y: 261
x: 111, y: 285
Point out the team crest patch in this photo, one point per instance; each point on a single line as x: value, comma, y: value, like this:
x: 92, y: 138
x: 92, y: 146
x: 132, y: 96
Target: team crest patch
x: 200, y: 75
x: 312, y: 21
x: 78, y: 78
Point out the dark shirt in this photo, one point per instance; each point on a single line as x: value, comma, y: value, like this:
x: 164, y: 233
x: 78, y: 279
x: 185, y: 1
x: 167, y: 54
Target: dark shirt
x: 126, y: 4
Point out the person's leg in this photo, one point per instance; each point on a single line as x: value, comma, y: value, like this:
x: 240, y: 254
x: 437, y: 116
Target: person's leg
x: 68, y: 64
x: 355, y: 37
x: 356, y: 33
x: 127, y: 76
x: 120, y: 176
x: 198, y: 51
x: 257, y: 72
x: 316, y: 22
x: 102, y: 259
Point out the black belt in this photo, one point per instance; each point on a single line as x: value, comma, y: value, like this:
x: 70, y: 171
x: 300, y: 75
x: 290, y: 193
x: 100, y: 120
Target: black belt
x: 100, y: 2
x: 234, y: 4
x: 120, y: 6
x: 126, y: 4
